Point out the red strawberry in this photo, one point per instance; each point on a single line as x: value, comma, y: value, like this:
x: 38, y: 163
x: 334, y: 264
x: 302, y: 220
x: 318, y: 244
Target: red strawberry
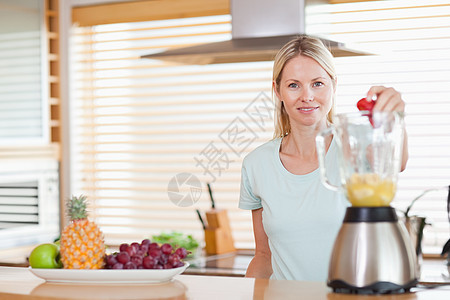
x: 365, y: 105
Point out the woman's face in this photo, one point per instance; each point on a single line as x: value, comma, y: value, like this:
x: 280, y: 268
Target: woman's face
x: 306, y: 90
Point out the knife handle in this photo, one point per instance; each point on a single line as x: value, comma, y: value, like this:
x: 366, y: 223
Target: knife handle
x: 213, y: 205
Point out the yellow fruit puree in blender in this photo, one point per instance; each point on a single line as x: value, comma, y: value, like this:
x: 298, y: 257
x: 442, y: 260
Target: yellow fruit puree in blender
x: 370, y: 190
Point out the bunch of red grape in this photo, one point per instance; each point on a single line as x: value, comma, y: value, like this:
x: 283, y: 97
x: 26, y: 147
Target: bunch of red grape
x: 146, y: 255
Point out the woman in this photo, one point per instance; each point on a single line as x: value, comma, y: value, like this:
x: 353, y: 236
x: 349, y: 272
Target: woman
x: 295, y: 218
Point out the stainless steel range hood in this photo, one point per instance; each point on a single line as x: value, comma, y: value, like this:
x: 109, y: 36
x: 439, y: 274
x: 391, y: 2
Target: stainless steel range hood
x: 259, y: 29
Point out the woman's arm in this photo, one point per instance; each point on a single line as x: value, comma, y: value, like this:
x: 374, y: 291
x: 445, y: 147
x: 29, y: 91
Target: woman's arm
x: 261, y: 265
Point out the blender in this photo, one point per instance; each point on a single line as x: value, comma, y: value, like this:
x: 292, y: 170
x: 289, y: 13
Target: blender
x: 372, y: 253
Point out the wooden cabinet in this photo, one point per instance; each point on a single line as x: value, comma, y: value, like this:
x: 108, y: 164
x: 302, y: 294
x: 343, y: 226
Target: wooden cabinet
x: 54, y: 101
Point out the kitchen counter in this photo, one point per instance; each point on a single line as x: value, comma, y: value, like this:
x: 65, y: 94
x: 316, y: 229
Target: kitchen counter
x: 433, y: 270
x: 19, y: 283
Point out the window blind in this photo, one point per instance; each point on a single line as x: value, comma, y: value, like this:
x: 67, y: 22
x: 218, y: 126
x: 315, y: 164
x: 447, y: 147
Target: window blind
x: 22, y: 95
x: 149, y: 135
x: 412, y: 43
x: 140, y: 123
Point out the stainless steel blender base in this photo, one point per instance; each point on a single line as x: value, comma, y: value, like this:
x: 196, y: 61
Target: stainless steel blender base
x: 372, y: 254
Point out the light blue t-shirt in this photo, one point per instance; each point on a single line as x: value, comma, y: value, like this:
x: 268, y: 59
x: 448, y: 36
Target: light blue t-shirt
x: 301, y: 217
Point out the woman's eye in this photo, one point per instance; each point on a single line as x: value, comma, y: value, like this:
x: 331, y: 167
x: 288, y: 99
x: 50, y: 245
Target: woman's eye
x: 318, y: 83
x: 293, y: 85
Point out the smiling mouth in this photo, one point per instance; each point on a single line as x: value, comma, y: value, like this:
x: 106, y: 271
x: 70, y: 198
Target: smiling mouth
x: 307, y: 108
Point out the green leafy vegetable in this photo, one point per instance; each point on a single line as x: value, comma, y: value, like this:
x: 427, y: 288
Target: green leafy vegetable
x: 177, y: 239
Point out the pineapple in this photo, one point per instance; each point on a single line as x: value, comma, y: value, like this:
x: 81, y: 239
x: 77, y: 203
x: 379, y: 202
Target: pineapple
x: 82, y: 244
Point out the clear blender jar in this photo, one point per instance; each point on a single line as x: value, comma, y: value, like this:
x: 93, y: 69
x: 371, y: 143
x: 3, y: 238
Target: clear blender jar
x: 370, y: 148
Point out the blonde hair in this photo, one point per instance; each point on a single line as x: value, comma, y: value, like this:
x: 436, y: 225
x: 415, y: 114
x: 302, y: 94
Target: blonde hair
x: 303, y: 45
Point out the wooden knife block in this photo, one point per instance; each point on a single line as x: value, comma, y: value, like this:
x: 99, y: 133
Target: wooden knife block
x: 218, y: 238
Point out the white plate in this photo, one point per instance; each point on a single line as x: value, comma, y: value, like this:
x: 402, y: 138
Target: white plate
x: 109, y: 276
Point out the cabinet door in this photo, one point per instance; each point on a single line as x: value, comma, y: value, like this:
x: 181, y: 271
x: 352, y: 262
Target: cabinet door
x: 23, y: 56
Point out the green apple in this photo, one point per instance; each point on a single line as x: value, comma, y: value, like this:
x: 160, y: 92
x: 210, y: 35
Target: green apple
x: 45, y: 256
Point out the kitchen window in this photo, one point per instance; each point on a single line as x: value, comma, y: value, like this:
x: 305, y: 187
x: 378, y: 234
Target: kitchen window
x: 140, y: 123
